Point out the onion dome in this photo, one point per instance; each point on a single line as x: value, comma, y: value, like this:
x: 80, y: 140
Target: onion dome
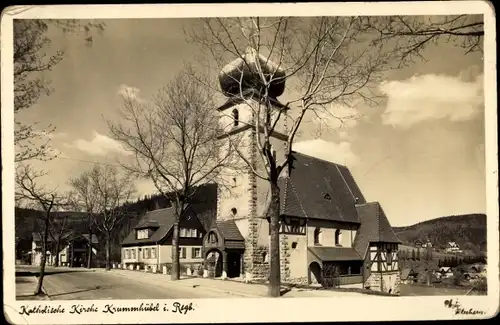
x: 245, y: 69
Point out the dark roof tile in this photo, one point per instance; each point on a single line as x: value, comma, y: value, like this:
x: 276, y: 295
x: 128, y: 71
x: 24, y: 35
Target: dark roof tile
x: 374, y: 227
x: 320, y: 189
x: 164, y: 218
x: 229, y: 230
x: 331, y: 254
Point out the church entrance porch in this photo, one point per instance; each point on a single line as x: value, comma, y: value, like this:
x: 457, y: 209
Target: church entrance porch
x: 214, y: 262
x: 224, y: 247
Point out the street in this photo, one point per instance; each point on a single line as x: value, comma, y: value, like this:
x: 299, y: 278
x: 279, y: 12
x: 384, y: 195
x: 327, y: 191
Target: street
x: 84, y: 284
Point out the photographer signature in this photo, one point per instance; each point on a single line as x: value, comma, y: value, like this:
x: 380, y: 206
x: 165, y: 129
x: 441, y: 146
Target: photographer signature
x: 460, y: 310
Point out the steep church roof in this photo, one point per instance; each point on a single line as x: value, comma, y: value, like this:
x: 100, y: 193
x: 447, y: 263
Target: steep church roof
x: 319, y: 189
x: 374, y: 227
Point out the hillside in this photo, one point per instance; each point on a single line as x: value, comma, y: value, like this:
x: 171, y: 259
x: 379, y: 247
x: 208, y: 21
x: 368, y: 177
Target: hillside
x: 468, y: 231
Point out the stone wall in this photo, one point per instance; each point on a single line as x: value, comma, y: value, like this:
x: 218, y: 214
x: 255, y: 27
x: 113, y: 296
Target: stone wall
x: 388, y: 282
x: 284, y: 258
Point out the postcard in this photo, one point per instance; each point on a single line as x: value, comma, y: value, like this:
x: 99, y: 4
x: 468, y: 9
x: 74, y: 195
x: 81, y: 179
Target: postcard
x: 196, y: 163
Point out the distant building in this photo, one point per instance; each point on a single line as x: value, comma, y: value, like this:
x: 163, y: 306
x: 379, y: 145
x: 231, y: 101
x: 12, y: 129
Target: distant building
x: 446, y: 272
x: 453, y: 247
x: 76, y: 251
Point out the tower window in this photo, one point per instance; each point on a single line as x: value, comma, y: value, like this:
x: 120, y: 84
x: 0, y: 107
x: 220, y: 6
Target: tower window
x: 236, y: 117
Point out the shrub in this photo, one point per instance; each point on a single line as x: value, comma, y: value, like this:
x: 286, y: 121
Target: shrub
x: 481, y: 285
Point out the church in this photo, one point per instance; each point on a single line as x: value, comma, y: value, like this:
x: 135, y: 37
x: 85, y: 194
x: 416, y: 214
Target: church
x: 330, y: 234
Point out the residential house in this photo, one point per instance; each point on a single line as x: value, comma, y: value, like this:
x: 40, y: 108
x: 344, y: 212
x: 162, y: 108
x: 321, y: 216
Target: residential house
x: 446, y: 272
x: 150, y: 242
x: 453, y: 247
x: 36, y: 250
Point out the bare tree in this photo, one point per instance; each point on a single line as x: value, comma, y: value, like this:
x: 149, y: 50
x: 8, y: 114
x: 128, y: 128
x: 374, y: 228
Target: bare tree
x: 28, y: 188
x: 112, y: 190
x: 32, y: 61
x: 410, y: 35
x: 173, y: 142
x: 86, y: 198
x: 327, y: 61
x: 59, y: 231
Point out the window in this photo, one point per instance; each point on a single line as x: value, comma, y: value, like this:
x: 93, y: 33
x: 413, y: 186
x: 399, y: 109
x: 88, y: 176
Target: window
x: 153, y: 252
x: 127, y: 253
x: 188, y: 233
x: 133, y: 254
x: 142, y: 234
x: 182, y: 252
x: 317, y: 233
x: 236, y: 117
x: 145, y: 253
x: 389, y: 256
x: 212, y: 238
x: 338, y: 232
x: 196, y: 252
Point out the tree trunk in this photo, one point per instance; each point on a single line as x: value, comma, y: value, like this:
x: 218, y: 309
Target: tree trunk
x: 108, y: 252
x: 175, y: 252
x: 274, y: 214
x: 58, y: 244
x: 89, y: 258
x: 38, y: 290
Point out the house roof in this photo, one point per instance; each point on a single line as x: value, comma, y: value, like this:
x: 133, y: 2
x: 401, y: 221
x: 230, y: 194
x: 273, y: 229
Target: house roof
x: 229, y: 230
x: 405, y: 273
x: 203, y: 204
x: 147, y: 224
x: 330, y: 254
x: 374, y: 227
x: 37, y: 237
x: 319, y: 189
x: 164, y: 218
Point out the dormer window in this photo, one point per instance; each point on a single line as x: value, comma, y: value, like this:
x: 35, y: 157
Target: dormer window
x: 142, y: 234
x: 338, y: 232
x: 236, y: 117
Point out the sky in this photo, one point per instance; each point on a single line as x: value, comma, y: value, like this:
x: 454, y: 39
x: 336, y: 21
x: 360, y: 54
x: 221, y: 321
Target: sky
x: 419, y: 152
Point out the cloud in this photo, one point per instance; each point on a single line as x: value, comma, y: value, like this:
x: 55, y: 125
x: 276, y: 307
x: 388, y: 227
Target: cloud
x: 340, y: 153
x: 100, y: 145
x: 129, y: 92
x: 432, y: 97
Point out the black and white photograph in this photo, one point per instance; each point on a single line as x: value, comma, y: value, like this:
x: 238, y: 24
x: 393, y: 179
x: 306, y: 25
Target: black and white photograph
x: 168, y: 163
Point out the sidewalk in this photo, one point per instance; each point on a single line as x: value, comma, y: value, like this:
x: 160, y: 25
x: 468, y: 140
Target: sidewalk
x: 247, y: 290
x: 231, y: 287
x: 25, y: 288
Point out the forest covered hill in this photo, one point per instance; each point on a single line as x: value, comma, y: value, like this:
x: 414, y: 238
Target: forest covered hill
x: 467, y: 230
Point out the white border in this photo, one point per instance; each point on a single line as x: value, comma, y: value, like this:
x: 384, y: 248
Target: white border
x: 260, y: 310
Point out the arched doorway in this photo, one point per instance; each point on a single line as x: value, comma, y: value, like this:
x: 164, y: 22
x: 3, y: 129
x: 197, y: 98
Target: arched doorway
x: 214, y: 263
x: 315, y: 273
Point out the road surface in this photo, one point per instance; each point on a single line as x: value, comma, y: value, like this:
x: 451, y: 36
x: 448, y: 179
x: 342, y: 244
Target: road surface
x: 82, y: 284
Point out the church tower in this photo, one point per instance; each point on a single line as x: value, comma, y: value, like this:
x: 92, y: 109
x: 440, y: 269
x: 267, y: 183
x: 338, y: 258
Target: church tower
x: 243, y: 198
